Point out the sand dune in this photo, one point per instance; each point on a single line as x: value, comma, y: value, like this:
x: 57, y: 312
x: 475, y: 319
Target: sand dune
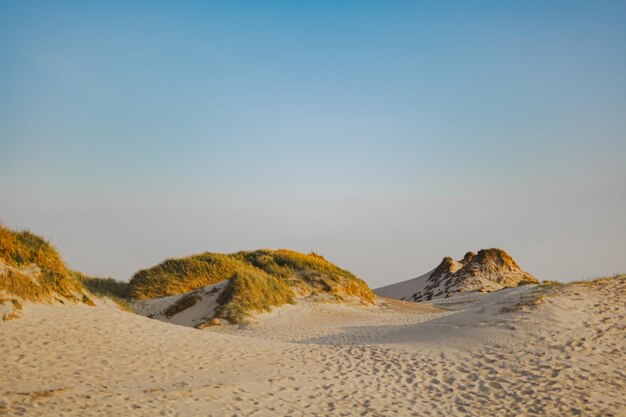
x: 494, y: 354
x: 488, y: 270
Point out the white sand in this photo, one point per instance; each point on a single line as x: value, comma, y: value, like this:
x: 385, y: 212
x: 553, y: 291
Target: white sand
x: 404, y: 289
x: 200, y: 312
x: 564, y: 357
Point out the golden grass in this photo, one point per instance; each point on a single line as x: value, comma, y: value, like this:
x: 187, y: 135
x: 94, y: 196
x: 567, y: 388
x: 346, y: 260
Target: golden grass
x: 177, y: 276
x: 258, y: 279
x: 526, y: 282
x: 103, y: 286
x: 252, y: 291
x: 33, y: 270
x: 311, y: 272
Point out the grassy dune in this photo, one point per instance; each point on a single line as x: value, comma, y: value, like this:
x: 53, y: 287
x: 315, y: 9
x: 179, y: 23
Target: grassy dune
x: 177, y: 276
x: 33, y: 270
x: 257, y: 280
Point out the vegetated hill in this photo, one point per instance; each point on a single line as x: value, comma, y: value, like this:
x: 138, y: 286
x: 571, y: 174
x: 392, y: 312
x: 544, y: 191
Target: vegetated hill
x: 254, y: 282
x: 32, y: 270
x: 487, y: 270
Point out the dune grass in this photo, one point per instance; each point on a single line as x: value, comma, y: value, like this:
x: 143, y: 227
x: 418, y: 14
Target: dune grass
x: 33, y: 269
x: 308, y: 272
x: 526, y: 282
x: 177, y: 276
x: 116, y: 291
x: 252, y: 291
x: 258, y: 279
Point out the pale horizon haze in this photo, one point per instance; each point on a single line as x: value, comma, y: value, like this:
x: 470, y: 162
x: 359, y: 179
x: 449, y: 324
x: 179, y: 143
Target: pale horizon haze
x: 381, y: 135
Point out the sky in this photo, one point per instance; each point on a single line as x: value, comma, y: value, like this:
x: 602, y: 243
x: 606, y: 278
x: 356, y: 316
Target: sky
x: 382, y: 135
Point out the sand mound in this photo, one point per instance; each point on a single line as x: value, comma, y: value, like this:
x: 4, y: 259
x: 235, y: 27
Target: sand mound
x: 253, y: 282
x: 195, y: 308
x: 32, y: 270
x: 488, y: 270
x: 213, y: 305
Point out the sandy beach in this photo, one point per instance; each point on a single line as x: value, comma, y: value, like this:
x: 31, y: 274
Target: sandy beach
x: 473, y: 355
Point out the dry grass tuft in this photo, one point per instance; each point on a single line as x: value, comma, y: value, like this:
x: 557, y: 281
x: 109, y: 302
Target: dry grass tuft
x: 526, y: 282
x: 32, y: 270
x: 522, y: 305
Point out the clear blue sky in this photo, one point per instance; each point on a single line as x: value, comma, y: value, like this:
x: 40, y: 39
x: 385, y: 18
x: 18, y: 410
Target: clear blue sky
x: 383, y: 135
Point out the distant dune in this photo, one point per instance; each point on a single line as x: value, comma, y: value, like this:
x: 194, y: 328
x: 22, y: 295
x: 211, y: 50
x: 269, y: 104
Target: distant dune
x: 485, y: 271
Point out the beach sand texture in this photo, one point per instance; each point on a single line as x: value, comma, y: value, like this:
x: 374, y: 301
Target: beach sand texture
x: 497, y: 354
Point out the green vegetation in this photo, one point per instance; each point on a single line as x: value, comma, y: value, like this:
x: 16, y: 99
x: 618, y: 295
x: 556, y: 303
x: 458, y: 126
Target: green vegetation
x: 258, y: 280
x: 252, y: 291
x: 177, y: 276
x: 32, y: 270
x: 547, y: 283
x: 526, y: 282
x: 116, y: 291
x: 308, y: 274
